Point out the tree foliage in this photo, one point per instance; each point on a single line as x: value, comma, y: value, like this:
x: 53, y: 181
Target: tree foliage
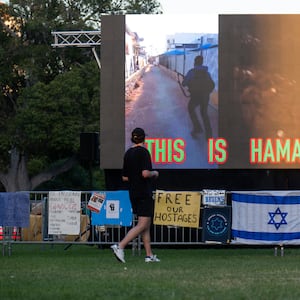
x: 48, y: 96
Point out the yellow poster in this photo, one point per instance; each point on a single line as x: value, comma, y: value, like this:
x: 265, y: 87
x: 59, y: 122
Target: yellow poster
x: 177, y: 208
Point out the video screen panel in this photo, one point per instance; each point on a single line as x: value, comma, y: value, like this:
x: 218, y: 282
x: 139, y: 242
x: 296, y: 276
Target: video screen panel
x: 250, y: 118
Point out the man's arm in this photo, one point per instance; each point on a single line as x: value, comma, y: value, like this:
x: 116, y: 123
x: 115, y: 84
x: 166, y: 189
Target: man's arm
x: 149, y: 174
x: 187, y: 78
x: 124, y: 178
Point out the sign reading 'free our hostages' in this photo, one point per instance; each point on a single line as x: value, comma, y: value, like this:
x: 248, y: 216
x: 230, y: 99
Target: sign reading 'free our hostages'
x: 177, y: 208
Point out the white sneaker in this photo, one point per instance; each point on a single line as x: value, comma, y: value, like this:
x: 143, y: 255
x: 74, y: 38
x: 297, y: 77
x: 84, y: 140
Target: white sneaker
x: 119, y: 253
x: 152, y: 258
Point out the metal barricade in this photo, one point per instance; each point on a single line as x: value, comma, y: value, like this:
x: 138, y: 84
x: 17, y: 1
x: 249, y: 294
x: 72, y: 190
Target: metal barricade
x: 102, y: 236
x: 7, y: 238
x: 89, y: 234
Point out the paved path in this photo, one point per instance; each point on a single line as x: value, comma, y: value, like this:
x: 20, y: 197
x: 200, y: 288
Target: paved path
x: 160, y: 107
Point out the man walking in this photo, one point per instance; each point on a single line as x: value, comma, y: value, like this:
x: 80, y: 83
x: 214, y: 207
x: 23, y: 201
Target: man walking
x: 200, y: 85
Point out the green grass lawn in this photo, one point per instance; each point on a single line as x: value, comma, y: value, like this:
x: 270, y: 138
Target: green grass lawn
x: 85, y: 272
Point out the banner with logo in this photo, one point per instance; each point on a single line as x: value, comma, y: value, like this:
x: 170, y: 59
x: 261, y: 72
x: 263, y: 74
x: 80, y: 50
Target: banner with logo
x: 216, y: 224
x: 177, y: 208
x: 266, y: 217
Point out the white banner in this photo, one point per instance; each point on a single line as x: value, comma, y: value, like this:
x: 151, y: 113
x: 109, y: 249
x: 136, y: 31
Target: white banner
x: 64, y: 212
x: 214, y: 197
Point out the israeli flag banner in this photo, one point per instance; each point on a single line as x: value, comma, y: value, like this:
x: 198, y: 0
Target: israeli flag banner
x: 266, y: 217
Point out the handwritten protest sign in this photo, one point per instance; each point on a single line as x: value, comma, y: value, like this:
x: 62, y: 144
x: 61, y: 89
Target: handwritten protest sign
x: 177, y: 208
x: 64, y: 212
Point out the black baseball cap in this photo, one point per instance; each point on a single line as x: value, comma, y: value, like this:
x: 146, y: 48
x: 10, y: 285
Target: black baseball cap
x: 138, y: 135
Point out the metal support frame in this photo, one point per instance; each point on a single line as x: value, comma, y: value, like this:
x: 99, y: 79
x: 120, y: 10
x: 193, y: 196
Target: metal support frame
x: 82, y: 39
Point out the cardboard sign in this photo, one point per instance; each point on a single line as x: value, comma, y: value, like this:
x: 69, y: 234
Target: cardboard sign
x: 177, y: 208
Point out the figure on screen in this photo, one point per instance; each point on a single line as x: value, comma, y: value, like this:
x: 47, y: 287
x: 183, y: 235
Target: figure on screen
x: 200, y: 85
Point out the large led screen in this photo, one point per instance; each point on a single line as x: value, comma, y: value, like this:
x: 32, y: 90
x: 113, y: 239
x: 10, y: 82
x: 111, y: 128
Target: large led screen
x: 248, y: 119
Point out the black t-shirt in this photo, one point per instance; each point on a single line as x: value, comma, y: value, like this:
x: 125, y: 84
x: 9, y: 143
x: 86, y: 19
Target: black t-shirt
x: 137, y: 159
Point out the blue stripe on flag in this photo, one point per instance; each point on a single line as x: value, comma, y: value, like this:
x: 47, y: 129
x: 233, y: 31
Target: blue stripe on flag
x: 265, y: 199
x: 264, y: 236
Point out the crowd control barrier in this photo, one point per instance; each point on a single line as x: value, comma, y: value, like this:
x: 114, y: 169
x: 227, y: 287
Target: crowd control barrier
x: 181, y: 218
x: 106, y: 227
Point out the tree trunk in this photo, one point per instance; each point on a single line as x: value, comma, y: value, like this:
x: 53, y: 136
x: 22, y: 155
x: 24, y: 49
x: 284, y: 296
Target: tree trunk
x: 17, y: 178
x: 52, y: 172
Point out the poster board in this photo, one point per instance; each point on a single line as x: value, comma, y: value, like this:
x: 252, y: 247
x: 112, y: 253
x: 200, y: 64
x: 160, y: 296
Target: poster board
x: 64, y: 212
x: 214, y: 197
x: 178, y: 208
x: 116, y: 210
x: 216, y: 223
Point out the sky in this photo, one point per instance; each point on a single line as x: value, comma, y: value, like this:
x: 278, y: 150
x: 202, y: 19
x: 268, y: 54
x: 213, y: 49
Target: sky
x: 180, y: 16
x: 155, y: 29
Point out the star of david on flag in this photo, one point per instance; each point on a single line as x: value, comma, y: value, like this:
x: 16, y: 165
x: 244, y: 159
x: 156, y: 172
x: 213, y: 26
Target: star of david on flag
x: 273, y: 216
x: 266, y: 217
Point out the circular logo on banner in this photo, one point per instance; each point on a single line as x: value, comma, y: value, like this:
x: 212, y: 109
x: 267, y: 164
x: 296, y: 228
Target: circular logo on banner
x: 216, y: 224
